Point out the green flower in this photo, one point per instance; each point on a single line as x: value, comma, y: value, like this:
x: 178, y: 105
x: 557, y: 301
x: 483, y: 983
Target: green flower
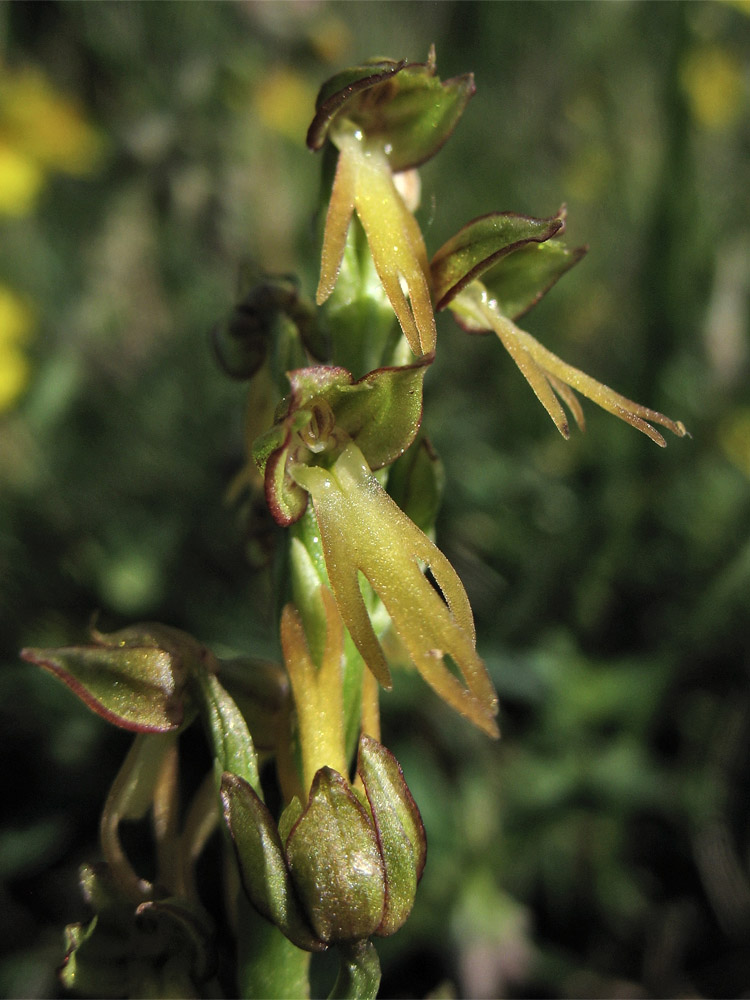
x: 363, y: 531
x: 385, y: 118
x: 327, y: 408
x: 519, y: 259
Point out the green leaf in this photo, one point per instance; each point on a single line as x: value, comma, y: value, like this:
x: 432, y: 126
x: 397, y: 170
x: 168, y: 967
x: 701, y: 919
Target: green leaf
x: 518, y: 257
x: 404, y: 107
x: 335, y: 862
x: 399, y: 828
x: 269, y: 965
x: 260, y: 857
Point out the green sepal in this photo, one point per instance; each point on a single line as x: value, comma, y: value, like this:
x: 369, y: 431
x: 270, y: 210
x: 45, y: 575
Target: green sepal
x: 416, y: 482
x: 381, y: 412
x: 286, y: 499
x: 134, y: 678
x: 263, y: 868
x: 335, y: 862
x: 519, y: 258
x: 288, y: 818
x: 399, y: 829
x: 404, y: 107
x: 231, y: 742
x: 340, y: 90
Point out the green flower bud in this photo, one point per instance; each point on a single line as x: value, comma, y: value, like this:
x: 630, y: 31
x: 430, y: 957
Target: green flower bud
x: 334, y: 871
x: 135, y: 678
x: 242, y: 341
x: 335, y: 862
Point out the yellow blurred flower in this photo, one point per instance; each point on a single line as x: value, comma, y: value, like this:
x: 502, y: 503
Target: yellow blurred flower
x: 20, y: 182
x: 40, y: 131
x: 712, y: 79
x: 16, y: 323
x: 282, y: 101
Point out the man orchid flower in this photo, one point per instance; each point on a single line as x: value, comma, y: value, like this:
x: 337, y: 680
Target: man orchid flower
x: 364, y: 532
x: 385, y: 118
x: 519, y: 259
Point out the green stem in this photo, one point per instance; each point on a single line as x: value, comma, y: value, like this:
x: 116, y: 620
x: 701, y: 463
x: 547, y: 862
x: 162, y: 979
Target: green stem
x: 269, y: 966
x: 359, y: 972
x: 200, y: 822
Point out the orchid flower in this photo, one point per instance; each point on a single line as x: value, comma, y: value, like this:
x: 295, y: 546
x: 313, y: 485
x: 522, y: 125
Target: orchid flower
x: 385, y: 118
x: 550, y: 377
x: 364, y: 532
x: 519, y: 259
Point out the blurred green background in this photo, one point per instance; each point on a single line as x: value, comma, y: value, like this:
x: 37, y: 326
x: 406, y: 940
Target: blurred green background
x: 602, y: 848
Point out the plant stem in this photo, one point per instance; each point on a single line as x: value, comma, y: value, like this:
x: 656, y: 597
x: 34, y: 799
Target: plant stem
x: 359, y: 972
x: 269, y: 966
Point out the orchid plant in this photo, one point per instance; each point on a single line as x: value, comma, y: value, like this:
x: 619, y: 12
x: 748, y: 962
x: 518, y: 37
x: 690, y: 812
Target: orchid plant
x: 331, y: 856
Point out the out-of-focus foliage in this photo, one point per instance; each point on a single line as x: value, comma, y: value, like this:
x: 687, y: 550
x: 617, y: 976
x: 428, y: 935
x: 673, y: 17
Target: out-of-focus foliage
x: 146, y: 152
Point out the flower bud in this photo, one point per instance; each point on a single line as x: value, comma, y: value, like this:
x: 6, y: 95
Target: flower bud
x: 135, y: 678
x: 243, y: 339
x: 344, y: 871
x: 335, y: 862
